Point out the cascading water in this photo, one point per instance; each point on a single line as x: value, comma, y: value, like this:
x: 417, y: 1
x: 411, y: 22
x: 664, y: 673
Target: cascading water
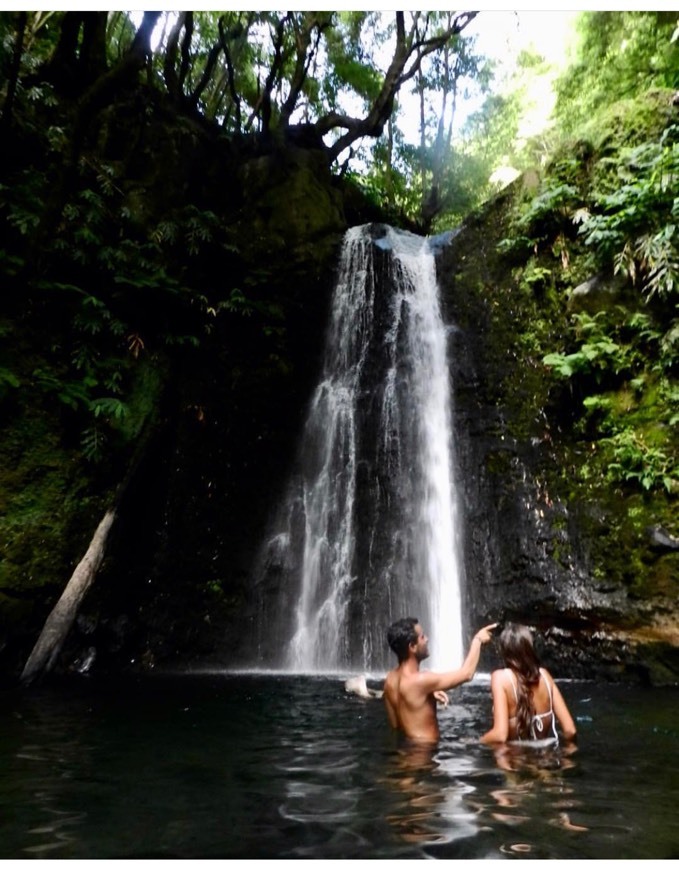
x: 368, y: 530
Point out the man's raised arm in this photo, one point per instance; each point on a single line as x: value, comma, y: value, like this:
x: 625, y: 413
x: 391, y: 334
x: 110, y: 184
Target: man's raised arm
x: 449, y: 679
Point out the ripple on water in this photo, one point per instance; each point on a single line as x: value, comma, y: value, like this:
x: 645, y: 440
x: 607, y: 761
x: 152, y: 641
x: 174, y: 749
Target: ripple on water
x: 514, y: 848
x: 310, y: 802
x: 57, y: 830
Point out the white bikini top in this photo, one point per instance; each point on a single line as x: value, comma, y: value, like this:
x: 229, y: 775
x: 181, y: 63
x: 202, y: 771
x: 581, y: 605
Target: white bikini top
x: 537, y: 726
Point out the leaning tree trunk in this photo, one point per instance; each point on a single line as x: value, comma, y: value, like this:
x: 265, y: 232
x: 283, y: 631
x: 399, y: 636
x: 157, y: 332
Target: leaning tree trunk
x: 60, y: 621
x: 62, y: 617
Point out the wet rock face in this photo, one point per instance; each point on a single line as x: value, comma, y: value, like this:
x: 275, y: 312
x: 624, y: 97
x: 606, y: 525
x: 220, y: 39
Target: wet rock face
x: 539, y: 548
x: 519, y: 557
x: 661, y: 540
x: 596, y: 294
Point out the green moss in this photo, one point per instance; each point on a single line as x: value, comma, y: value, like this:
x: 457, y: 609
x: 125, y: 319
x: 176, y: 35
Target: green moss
x: 144, y: 396
x: 41, y: 501
x: 498, y: 463
x: 629, y: 122
x: 290, y: 206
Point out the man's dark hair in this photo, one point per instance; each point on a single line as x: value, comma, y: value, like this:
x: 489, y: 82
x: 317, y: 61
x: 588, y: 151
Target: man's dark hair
x: 401, y: 634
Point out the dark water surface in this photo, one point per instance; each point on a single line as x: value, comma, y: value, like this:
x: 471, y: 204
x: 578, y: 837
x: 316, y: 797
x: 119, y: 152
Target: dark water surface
x: 219, y: 766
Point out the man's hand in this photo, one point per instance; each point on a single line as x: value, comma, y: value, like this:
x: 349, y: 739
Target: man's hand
x: 441, y: 697
x: 484, y: 634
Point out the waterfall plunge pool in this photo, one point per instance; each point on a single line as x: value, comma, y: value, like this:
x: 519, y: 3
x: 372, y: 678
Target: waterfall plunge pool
x: 218, y: 765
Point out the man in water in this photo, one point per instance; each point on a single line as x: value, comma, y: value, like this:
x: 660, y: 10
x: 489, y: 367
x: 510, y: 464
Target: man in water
x: 409, y: 693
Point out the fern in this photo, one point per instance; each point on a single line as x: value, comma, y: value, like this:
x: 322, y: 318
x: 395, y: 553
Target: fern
x: 75, y: 394
x: 634, y: 226
x: 109, y: 407
x: 93, y: 444
x: 8, y: 380
x: 659, y: 261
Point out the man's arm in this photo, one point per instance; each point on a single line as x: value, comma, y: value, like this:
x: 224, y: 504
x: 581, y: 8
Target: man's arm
x: 391, y: 713
x: 389, y: 703
x: 432, y: 681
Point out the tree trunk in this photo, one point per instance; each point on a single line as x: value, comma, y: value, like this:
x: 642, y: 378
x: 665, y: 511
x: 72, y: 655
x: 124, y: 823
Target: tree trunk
x: 60, y: 621
x: 80, y: 56
x: 62, y: 617
x: 92, y: 61
x: 388, y: 168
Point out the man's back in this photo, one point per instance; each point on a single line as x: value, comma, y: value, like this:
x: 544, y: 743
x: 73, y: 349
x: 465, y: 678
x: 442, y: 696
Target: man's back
x: 410, y: 706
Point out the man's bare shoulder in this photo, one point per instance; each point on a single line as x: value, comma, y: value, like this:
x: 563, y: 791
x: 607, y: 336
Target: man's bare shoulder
x: 417, y: 684
x: 423, y: 679
x: 392, y: 677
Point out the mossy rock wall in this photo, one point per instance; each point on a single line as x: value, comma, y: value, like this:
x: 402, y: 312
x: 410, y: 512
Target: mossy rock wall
x: 572, y: 556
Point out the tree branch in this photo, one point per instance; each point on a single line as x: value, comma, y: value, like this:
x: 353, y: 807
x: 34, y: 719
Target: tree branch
x: 186, y: 50
x: 304, y: 59
x: 169, y: 67
x: 408, y: 46
x: 263, y: 103
x: 207, y: 73
x: 231, y: 74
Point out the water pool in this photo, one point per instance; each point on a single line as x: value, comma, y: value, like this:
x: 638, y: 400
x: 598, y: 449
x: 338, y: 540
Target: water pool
x: 263, y: 766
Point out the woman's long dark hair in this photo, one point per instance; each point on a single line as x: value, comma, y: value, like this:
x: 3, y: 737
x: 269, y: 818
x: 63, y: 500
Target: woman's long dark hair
x: 516, y: 648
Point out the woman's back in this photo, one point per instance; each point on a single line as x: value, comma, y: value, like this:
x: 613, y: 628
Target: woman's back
x: 543, y: 723
x: 527, y: 702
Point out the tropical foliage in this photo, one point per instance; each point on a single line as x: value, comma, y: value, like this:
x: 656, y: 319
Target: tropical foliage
x: 607, y: 200
x: 619, y: 56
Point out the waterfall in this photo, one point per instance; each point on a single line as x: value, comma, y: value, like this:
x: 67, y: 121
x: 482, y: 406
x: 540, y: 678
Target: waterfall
x: 367, y: 532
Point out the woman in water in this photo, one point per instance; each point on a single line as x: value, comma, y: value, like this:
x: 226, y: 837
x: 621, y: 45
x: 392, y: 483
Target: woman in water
x: 526, y: 701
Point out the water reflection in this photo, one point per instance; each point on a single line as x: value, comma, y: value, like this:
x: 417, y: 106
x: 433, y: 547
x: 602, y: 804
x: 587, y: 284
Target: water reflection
x: 450, y: 793
x: 409, y: 777
x: 52, y: 754
x: 433, y: 804
x: 539, y: 762
x: 58, y: 830
x: 534, y: 786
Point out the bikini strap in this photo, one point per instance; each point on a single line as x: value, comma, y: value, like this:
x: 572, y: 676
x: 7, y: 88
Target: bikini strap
x: 549, y: 690
x: 511, y: 680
